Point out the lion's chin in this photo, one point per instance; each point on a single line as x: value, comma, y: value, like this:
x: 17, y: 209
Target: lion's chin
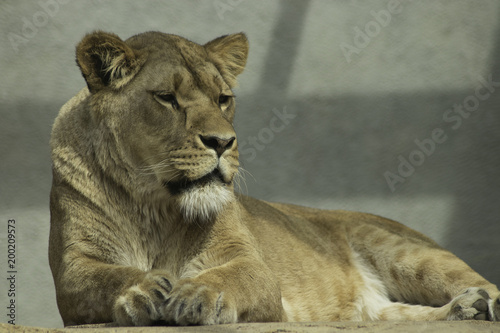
x: 203, y: 202
x: 203, y: 198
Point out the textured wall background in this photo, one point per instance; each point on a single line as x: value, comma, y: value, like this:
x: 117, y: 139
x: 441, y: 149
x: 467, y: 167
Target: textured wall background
x: 360, y: 82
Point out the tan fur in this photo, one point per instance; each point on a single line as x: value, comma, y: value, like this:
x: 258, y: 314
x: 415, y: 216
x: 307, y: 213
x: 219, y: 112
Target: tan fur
x: 146, y: 226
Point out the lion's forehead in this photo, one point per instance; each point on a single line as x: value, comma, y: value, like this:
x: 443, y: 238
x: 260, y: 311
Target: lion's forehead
x: 175, y: 63
x: 158, y: 40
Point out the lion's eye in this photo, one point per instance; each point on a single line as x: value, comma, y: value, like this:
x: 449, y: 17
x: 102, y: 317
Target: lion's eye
x: 223, y: 99
x: 168, y: 98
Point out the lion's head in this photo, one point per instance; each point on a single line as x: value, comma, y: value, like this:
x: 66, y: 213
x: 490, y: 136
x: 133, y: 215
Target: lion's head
x: 163, y: 109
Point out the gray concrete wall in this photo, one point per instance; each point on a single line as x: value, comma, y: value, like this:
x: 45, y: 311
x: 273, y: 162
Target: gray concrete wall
x: 361, y: 83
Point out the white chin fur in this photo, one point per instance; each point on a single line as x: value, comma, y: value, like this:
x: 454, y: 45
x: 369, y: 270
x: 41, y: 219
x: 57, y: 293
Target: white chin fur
x: 202, y: 203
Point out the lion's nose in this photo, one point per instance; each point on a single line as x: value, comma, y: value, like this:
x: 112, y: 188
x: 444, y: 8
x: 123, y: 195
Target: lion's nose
x: 220, y: 145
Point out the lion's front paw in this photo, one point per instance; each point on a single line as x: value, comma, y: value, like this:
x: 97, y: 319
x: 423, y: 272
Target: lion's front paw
x: 474, y: 303
x: 139, y: 305
x: 191, y: 303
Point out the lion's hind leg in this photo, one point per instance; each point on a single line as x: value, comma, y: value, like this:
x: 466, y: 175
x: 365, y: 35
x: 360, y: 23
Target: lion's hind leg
x: 374, y: 303
x: 423, y: 281
x: 473, y: 304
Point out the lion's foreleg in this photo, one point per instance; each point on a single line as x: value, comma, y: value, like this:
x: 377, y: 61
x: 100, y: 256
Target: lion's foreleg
x: 89, y: 291
x: 242, y: 290
x: 228, y: 281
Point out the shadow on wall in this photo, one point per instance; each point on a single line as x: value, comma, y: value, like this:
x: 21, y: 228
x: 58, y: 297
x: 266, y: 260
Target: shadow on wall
x: 477, y: 211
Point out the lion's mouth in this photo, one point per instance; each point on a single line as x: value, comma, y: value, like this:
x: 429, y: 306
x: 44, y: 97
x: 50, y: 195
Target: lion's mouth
x: 178, y: 187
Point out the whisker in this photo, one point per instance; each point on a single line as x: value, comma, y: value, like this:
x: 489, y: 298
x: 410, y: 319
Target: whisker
x: 240, y: 177
x: 162, y: 154
x: 150, y: 169
x: 246, y: 171
x: 161, y: 163
x: 174, y: 175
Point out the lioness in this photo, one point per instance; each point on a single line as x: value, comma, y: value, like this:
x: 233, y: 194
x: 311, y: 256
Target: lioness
x: 146, y: 227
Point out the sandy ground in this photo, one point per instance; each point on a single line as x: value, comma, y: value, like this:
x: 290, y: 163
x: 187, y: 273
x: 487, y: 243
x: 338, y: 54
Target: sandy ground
x: 408, y: 327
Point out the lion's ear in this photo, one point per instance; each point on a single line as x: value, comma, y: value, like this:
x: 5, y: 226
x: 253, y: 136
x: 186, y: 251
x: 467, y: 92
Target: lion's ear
x: 229, y: 53
x: 105, y: 60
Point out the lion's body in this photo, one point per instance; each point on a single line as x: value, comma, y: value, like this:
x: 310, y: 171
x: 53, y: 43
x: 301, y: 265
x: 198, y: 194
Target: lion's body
x: 146, y: 227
